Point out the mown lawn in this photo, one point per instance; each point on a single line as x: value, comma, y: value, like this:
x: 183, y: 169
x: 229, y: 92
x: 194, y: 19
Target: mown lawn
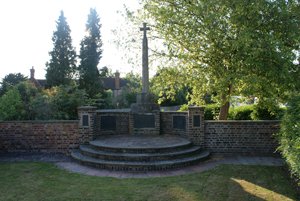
x: 44, y: 181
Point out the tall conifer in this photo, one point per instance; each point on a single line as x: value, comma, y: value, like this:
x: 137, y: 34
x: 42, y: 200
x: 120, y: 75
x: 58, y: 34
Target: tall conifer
x: 62, y: 65
x: 90, y: 55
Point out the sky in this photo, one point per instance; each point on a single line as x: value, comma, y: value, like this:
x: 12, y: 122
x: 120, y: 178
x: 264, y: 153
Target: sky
x: 27, y: 28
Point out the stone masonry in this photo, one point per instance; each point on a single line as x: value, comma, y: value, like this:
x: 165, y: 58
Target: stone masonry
x: 247, y: 137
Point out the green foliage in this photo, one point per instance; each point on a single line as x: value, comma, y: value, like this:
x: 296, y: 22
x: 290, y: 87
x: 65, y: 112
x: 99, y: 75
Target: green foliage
x: 241, y: 112
x: 40, y: 107
x: 169, y: 91
x: 28, y: 92
x: 11, y: 80
x: 184, y: 107
x: 90, y: 55
x: 230, y: 48
x: 64, y: 101
x: 267, y: 112
x: 11, y: 106
x: 129, y: 91
x: 289, y: 136
x: 62, y: 65
x: 26, y: 102
x: 211, y: 112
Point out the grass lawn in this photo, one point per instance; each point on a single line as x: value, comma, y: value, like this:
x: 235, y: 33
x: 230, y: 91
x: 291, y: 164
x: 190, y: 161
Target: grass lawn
x: 44, y: 181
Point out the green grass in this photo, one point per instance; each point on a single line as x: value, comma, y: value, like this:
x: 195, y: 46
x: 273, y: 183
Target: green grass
x: 43, y: 181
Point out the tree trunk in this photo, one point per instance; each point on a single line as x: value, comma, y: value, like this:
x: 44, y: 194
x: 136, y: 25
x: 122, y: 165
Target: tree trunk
x: 224, y: 110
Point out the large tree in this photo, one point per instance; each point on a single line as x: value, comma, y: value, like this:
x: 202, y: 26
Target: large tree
x: 11, y: 80
x: 62, y: 65
x: 90, y: 55
x: 231, y: 47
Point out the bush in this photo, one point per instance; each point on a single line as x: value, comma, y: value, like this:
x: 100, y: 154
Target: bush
x: 261, y: 112
x: 289, y: 136
x: 184, y: 107
x: 211, y: 112
x: 241, y: 112
x: 11, y: 106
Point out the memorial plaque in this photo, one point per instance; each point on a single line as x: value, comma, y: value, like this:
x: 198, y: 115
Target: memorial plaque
x: 108, y: 122
x: 144, y: 121
x: 179, y: 122
x: 85, y: 120
x: 196, y: 121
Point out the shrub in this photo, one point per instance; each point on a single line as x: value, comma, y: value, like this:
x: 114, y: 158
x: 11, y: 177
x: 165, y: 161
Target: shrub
x: 289, y: 136
x: 11, y: 106
x: 241, y: 112
x: 262, y: 112
x: 211, y: 112
x: 184, y: 107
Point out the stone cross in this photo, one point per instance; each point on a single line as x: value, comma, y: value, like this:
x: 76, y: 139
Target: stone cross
x: 145, y: 75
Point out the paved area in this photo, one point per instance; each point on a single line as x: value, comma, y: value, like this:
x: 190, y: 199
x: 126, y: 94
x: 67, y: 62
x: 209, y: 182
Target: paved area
x: 68, y: 164
x: 142, y: 142
x: 202, y: 166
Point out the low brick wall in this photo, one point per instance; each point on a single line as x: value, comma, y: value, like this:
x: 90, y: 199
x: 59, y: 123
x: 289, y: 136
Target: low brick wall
x: 167, y: 127
x: 251, y: 137
x: 40, y: 136
x: 121, y: 126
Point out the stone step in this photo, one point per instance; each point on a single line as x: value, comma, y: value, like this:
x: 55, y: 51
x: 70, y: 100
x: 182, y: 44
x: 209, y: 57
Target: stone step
x: 139, y: 165
x: 100, y: 154
x: 140, y: 144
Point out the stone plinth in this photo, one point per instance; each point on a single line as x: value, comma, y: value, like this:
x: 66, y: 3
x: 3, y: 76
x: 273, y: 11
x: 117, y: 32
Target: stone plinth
x: 196, y: 125
x: 144, y: 104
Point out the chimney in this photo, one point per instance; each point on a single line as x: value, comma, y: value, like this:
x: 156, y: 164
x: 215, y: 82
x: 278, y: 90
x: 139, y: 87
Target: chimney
x: 32, y: 73
x: 117, y: 80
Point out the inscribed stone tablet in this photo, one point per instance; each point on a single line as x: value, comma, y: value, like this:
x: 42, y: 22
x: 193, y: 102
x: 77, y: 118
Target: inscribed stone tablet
x: 85, y: 120
x: 144, y: 121
x: 108, y: 122
x: 179, y: 122
x: 196, y: 121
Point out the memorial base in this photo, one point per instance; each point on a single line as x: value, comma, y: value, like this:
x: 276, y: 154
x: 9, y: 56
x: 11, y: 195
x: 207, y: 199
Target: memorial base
x: 145, y: 116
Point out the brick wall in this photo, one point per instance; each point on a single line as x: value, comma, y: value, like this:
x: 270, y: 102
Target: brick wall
x: 121, y: 127
x: 40, y: 136
x: 251, y: 137
x: 155, y: 130
x: 166, y: 120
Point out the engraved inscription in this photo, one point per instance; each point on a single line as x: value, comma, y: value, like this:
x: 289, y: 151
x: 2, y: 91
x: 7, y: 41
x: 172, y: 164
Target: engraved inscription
x: 108, y: 123
x: 144, y: 121
x: 196, y: 121
x: 179, y: 122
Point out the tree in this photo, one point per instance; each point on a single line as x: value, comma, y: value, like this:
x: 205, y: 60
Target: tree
x: 231, y: 47
x: 289, y: 136
x: 11, y: 106
x: 62, y: 65
x: 130, y: 90
x: 11, y: 80
x: 170, y: 91
x: 64, y: 101
x: 90, y: 55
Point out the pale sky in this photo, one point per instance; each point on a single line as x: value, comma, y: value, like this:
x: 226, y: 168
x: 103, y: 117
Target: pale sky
x: 27, y: 28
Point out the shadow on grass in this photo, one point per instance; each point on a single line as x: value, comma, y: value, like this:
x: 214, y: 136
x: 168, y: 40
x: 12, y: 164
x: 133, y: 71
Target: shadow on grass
x: 237, y: 182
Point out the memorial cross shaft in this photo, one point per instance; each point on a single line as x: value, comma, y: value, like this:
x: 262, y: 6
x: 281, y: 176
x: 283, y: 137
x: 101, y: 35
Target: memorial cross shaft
x: 145, y: 74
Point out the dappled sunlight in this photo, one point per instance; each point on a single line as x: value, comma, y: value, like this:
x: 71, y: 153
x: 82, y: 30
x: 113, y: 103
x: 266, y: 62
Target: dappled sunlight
x: 259, y: 191
x: 179, y: 193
